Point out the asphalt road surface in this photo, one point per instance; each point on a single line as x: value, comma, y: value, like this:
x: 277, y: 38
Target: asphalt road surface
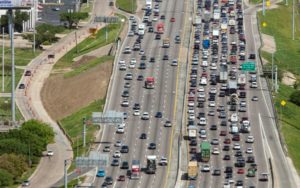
x: 161, y: 99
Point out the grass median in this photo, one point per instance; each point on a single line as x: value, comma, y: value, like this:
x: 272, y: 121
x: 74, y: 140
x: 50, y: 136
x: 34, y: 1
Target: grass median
x: 73, y: 126
x: 279, y: 25
x: 127, y: 5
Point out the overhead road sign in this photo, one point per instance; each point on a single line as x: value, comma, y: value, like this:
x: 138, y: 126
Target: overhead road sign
x: 107, y: 117
x: 16, y: 4
x: 248, y: 66
x: 95, y: 159
x: 107, y: 19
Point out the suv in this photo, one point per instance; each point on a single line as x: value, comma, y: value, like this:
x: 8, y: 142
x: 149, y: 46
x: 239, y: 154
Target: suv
x: 124, y: 149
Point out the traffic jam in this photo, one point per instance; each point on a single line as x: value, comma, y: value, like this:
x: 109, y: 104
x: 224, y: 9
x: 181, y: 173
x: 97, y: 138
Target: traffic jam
x: 219, y: 130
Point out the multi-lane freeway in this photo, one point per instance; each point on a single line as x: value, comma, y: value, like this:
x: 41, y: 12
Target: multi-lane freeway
x: 232, y: 113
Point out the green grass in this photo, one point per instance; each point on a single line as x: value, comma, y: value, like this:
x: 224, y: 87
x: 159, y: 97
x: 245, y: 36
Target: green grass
x: 73, y: 125
x: 255, y: 1
x: 89, y: 65
x: 5, y: 110
x: 73, y: 183
x: 290, y: 126
x: 127, y: 5
x: 88, y: 9
x: 279, y: 25
x: 90, y: 44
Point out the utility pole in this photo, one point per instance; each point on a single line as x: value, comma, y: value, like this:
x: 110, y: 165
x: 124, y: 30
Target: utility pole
x: 65, y: 173
x: 11, y: 33
x: 3, y: 60
x: 293, y: 34
x: 84, y: 132
x: 272, y: 71
x: 264, y: 8
x: 276, y: 86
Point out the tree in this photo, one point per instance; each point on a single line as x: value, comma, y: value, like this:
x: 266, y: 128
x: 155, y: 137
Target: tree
x: 20, y: 17
x: 73, y: 17
x: 13, y: 145
x: 16, y: 165
x: 6, y: 179
x: 42, y: 130
x: 295, y: 97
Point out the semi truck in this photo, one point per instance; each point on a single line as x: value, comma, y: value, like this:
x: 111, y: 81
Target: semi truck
x: 148, y: 5
x: 149, y: 83
x: 192, y: 130
x: 205, y: 151
x: 192, y: 170
x: 135, y: 169
x: 160, y: 28
x: 241, y: 80
x: 216, y: 16
x: 166, y: 43
x: 151, y: 164
x: 223, y: 73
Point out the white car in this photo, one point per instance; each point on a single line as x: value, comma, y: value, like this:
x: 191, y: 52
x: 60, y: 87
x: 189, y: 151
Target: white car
x: 145, y: 116
x: 128, y: 76
x: 136, y: 113
x: 120, y: 130
x: 155, y: 19
x: 191, y: 111
x: 202, y: 133
x: 192, y: 117
x: 117, y: 154
x: 191, y: 104
x: 250, y: 139
x: 122, y: 67
x: 122, y: 125
x: 130, y: 33
x: 202, y: 121
x: 212, y: 104
x: 174, y: 63
x: 204, y: 64
x: 125, y: 103
x: 118, y: 143
x: 122, y: 62
x: 203, y: 81
x: 213, y: 66
x: 206, y: 168
x: 201, y: 95
x: 168, y: 124
x: 163, y: 161
x: 213, y: 90
x: 142, y: 52
x: 236, y: 146
x: 201, y: 89
x: 249, y: 150
x: 216, y: 151
x: 132, y: 65
x: 254, y: 85
x: 50, y: 153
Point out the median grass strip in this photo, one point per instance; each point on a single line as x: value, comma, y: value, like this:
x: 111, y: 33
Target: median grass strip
x: 127, y: 5
x: 73, y: 126
x: 89, y: 65
x: 255, y: 1
x: 279, y: 25
x: 5, y: 110
x: 91, y: 43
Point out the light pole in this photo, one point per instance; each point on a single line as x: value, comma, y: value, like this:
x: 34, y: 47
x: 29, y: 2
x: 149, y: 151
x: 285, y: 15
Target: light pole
x: 293, y: 28
x: 3, y: 60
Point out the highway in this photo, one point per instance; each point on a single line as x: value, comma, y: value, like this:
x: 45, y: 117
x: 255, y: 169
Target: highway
x: 159, y: 99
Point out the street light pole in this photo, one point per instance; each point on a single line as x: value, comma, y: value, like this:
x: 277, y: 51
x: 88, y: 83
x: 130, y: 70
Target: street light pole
x: 293, y: 34
x: 272, y: 71
x: 3, y: 60
x: 264, y: 9
x: 65, y: 173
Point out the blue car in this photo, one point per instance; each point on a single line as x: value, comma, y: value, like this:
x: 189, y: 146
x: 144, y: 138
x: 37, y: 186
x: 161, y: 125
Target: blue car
x: 101, y: 173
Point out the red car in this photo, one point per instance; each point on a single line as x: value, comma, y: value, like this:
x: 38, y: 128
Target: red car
x: 241, y: 171
x: 236, y: 138
x: 172, y: 20
x: 121, y: 178
x: 223, y: 133
x: 227, y: 141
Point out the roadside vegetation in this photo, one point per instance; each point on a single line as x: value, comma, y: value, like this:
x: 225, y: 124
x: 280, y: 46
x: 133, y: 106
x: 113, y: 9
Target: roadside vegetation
x: 21, y: 150
x: 73, y: 126
x: 278, y: 24
x: 5, y: 110
x: 127, y: 5
x: 255, y: 1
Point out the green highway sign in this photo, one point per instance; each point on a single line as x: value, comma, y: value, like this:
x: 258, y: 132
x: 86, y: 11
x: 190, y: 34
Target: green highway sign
x: 248, y: 66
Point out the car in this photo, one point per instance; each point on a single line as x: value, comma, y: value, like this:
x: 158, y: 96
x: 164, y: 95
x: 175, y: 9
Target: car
x: 215, y: 141
x: 120, y: 130
x: 127, y: 85
x: 223, y: 133
x: 236, y: 146
x: 28, y: 73
x: 211, y: 113
x: 125, y: 103
x: 250, y: 159
x: 22, y: 86
x: 216, y: 151
x: 106, y: 149
x: 140, y: 78
x: 50, y: 153
x: 250, y: 139
x: 212, y: 104
x: 226, y: 157
x: 249, y: 151
x: 26, y: 183
x: 226, y: 148
x: 168, y: 124
x: 157, y: 37
x: 143, y: 136
x: 228, y: 169
x: 158, y: 115
x: 239, y: 183
x: 227, y: 141
x: 101, y: 173
x: 136, y: 113
x: 152, y: 146
x: 165, y: 57
x: 56, y: 9
x: 251, y: 56
x: 172, y: 19
x: 118, y: 143
x: 163, y: 161
x: 202, y: 133
x: 121, y: 178
x: 254, y: 98
x: 115, y: 162
x: 174, y: 62
x: 124, y: 149
x: 108, y: 180
x: 217, y: 172
x: 128, y: 76
x: 125, y: 165
x: 205, y: 168
x: 213, y: 127
x: 150, y: 30
x: 202, y: 121
x: 117, y: 154
x: 145, y: 116
x: 193, y: 142
x: 254, y: 85
x: 162, y: 17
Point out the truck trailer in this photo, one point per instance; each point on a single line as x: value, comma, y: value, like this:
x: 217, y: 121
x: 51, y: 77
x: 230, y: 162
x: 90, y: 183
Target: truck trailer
x: 205, y: 151
x: 192, y: 170
x: 151, y: 164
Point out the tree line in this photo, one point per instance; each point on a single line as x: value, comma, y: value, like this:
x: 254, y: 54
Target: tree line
x: 22, y: 148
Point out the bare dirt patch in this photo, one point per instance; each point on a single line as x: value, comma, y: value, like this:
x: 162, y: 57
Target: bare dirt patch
x: 269, y: 44
x: 64, y: 96
x: 288, y: 78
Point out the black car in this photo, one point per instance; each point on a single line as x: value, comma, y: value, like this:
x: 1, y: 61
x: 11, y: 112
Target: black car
x: 228, y: 176
x: 193, y: 143
x: 158, y: 115
x: 150, y: 30
x: 142, y: 66
x: 239, y: 183
x: 157, y: 37
x: 144, y: 57
x: 143, y: 136
x: 136, y: 106
x: 22, y: 86
x: 217, y: 172
x: 125, y: 165
x: 238, y: 154
x: 162, y: 17
x: 165, y: 57
x: 250, y: 159
x: 108, y: 180
x: 124, y: 149
x: 200, y: 105
x: 228, y: 169
x: 226, y: 157
x: 223, y: 123
x: 152, y: 60
x: 152, y: 146
x: 252, y: 56
x: 226, y: 148
x: 213, y: 127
